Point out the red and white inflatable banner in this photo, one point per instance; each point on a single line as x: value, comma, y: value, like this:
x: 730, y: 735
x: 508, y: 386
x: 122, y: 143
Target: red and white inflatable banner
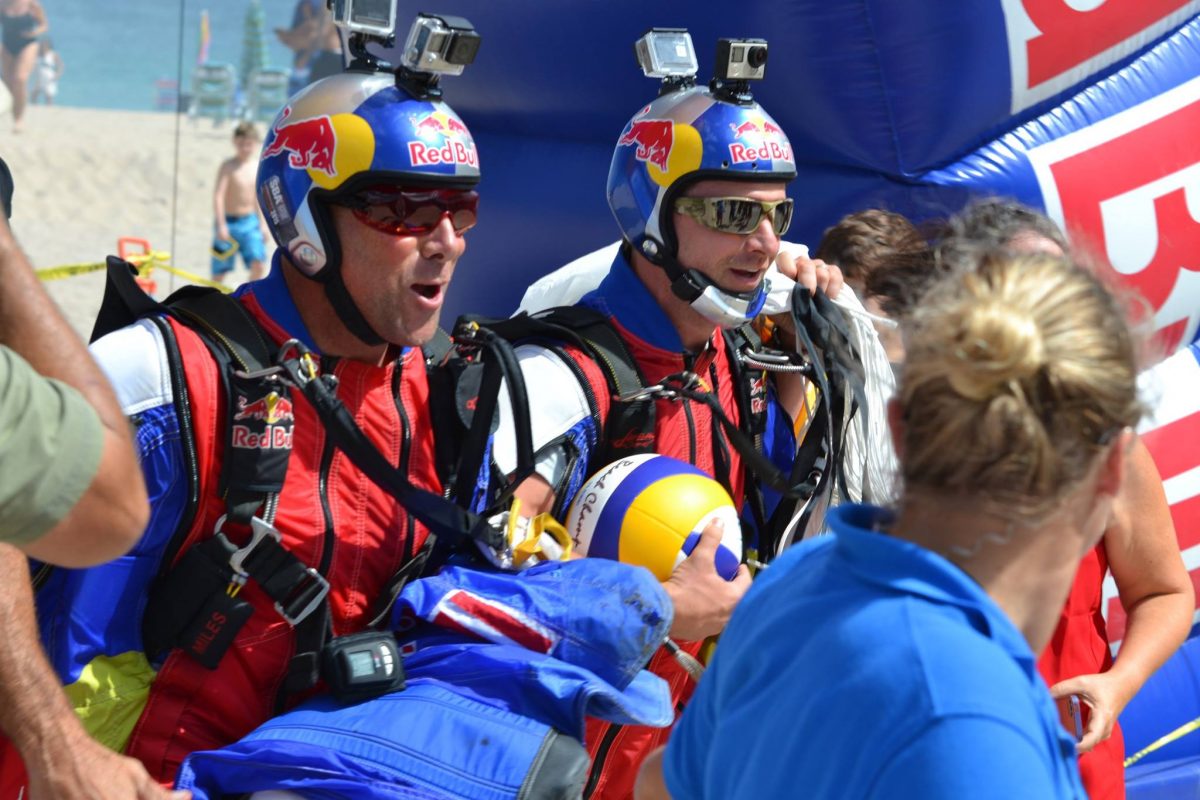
x: 1056, y: 44
x: 1129, y: 186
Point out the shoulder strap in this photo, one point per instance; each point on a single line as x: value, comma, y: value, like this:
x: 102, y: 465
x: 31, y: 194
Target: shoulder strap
x: 629, y: 427
x: 259, y: 408
x: 585, y: 328
x: 124, y: 301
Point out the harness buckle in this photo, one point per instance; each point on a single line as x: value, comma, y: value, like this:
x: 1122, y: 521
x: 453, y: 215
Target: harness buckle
x: 259, y: 531
x: 304, y: 599
x: 299, y: 363
x: 642, y: 394
x: 672, y: 387
x: 307, y: 597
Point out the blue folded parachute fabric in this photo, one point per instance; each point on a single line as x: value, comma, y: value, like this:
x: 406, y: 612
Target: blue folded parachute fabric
x: 601, y: 615
x: 496, y: 664
x: 424, y: 743
x: 546, y: 689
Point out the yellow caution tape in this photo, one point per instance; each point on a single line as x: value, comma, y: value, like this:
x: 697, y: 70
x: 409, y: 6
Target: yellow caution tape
x: 1178, y: 733
x: 56, y: 273
x: 145, y: 262
x: 194, y: 278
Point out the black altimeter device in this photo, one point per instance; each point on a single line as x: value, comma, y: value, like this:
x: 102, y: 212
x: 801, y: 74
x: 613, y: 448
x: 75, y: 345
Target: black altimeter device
x: 362, y: 665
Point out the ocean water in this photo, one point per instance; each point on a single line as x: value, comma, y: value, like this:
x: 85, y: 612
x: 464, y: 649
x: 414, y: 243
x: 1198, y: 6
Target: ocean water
x: 115, y: 51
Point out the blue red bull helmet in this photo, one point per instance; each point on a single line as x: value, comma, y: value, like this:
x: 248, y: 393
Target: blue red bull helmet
x: 341, y: 135
x: 679, y: 139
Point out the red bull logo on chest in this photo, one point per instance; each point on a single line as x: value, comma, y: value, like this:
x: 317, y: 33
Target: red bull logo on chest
x: 268, y: 423
x: 653, y: 138
x: 442, y: 139
x: 758, y: 140
x: 311, y: 143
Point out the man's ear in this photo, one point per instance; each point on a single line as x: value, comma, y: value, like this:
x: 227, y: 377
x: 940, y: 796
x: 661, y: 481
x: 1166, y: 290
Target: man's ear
x: 1112, y: 470
x: 895, y: 417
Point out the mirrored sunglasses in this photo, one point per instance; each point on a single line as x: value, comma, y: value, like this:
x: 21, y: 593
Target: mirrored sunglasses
x: 413, y: 212
x: 739, y: 215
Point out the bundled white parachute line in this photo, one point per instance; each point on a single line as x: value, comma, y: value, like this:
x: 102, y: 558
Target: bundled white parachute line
x: 868, y: 458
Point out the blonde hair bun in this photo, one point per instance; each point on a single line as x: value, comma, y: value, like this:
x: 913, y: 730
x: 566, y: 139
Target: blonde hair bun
x: 1017, y: 368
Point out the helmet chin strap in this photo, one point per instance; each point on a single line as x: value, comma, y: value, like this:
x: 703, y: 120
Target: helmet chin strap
x: 347, y: 311
x: 721, y: 307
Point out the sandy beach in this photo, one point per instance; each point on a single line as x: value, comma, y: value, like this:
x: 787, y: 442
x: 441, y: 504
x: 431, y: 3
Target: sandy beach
x: 85, y: 177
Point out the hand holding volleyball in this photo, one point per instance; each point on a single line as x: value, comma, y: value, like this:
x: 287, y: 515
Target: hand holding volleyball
x: 650, y: 510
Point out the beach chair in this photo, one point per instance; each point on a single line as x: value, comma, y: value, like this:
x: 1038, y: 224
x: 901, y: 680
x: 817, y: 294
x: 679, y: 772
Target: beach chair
x: 267, y: 93
x: 213, y: 90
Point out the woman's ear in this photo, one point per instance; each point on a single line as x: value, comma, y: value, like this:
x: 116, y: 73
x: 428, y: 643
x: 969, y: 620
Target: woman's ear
x: 1112, y: 470
x: 895, y: 417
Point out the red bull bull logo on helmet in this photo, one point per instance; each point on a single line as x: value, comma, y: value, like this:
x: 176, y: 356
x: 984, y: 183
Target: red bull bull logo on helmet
x: 759, y: 139
x: 311, y: 143
x: 442, y: 139
x: 653, y: 138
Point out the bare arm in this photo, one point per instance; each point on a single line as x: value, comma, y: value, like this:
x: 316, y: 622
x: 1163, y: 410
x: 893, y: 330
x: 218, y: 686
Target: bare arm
x: 223, y: 178
x: 40, y: 15
x: 650, y: 782
x: 63, y: 761
x: 1156, y: 591
x: 303, y: 37
x: 113, y: 511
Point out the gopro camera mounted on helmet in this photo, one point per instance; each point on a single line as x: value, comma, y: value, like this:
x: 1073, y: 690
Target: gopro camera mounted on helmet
x: 365, y: 21
x: 437, y: 44
x: 440, y: 43
x: 667, y: 53
x: 738, y: 62
x: 376, y: 18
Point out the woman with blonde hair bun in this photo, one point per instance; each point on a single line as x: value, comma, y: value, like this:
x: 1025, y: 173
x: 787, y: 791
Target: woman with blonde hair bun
x: 896, y: 658
x: 1139, y: 549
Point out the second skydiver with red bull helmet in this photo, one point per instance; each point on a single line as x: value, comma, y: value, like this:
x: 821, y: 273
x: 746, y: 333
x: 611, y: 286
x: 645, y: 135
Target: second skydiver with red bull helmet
x: 697, y: 185
x: 369, y: 202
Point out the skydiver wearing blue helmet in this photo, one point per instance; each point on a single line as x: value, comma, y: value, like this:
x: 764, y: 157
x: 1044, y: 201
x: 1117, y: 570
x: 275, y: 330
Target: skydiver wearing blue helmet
x: 272, y: 567
x: 698, y: 186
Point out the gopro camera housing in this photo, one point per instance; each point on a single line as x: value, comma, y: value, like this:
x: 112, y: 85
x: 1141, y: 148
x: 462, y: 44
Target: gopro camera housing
x: 372, y: 17
x: 440, y: 44
x: 741, y: 59
x: 666, y: 53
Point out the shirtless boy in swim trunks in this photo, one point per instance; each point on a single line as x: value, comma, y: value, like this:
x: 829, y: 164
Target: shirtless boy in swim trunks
x: 239, y: 226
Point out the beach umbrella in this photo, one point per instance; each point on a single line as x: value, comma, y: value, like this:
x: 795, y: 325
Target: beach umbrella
x: 254, y: 41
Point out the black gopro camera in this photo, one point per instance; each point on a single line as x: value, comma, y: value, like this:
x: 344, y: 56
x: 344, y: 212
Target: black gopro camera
x: 741, y: 59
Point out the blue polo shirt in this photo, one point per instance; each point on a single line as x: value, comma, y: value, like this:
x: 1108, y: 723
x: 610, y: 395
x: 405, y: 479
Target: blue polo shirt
x: 864, y: 666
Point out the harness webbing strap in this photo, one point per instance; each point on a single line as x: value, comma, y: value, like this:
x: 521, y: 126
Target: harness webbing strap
x: 499, y: 365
